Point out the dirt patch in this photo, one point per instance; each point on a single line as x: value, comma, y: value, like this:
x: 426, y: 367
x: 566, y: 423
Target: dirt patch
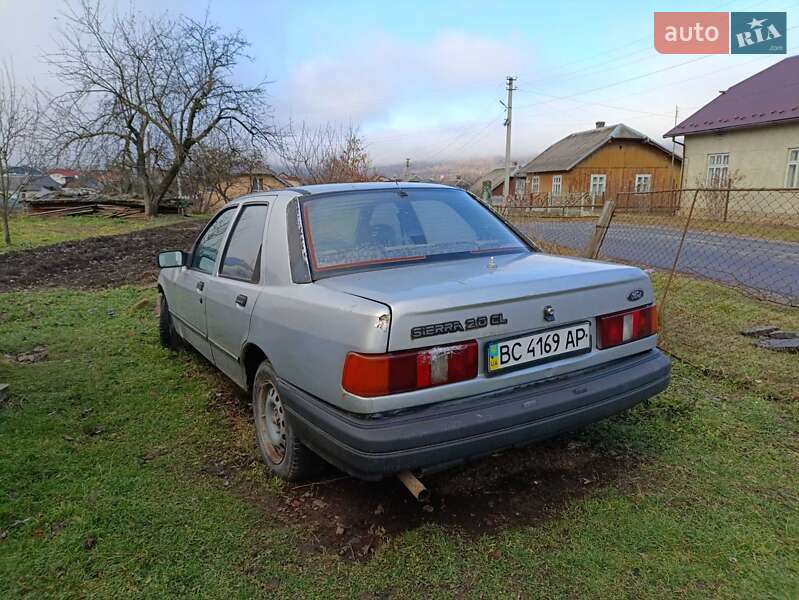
x: 349, y: 517
x: 35, y: 355
x: 98, y: 262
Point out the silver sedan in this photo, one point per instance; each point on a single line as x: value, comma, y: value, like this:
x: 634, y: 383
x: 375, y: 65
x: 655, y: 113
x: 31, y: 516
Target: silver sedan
x: 388, y: 327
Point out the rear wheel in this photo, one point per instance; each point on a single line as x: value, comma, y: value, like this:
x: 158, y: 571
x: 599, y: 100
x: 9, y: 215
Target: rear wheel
x: 282, y: 451
x: 166, y: 327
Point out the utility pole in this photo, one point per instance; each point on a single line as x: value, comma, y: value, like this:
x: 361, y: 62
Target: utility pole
x: 407, y: 169
x: 509, y: 108
x: 674, y: 139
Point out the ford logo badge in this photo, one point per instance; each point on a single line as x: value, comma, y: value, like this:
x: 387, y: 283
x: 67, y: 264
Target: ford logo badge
x: 635, y: 295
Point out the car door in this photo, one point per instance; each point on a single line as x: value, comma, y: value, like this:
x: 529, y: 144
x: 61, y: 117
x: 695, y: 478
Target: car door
x: 190, y: 284
x: 231, y: 296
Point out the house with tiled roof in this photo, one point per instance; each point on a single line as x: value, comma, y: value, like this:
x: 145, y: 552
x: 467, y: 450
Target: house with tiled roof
x: 491, y: 185
x: 748, y: 136
x: 601, y: 162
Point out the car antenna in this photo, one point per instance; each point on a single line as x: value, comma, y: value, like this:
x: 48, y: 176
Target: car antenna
x: 400, y: 191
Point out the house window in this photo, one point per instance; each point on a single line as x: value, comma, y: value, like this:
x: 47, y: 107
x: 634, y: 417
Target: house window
x: 598, y: 184
x: 257, y: 184
x: 643, y: 182
x: 519, y: 189
x: 556, y: 184
x: 792, y: 174
x: 535, y: 184
x: 717, y: 169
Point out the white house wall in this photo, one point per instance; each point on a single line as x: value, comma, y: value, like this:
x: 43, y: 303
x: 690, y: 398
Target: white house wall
x: 758, y: 156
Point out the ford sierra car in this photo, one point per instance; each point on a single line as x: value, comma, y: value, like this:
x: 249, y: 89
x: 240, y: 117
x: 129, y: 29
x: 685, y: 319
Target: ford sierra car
x: 395, y: 327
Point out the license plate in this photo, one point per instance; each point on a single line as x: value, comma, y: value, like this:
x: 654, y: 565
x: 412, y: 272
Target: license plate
x: 542, y: 346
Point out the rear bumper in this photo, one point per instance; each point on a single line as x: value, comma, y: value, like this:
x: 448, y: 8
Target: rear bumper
x: 455, y: 431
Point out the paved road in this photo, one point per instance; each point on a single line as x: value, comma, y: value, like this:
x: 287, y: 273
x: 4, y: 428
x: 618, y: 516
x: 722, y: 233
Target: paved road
x: 766, y: 265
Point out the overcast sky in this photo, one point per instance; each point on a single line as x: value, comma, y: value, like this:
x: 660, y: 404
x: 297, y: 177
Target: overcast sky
x: 424, y: 79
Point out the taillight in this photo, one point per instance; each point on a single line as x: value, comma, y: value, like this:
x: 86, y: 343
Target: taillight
x: 380, y: 374
x: 620, y: 328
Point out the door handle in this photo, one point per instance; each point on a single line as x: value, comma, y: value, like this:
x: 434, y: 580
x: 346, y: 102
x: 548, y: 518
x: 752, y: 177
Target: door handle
x: 241, y: 300
x: 200, y: 286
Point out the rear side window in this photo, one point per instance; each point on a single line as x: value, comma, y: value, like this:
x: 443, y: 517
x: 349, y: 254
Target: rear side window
x: 243, y: 256
x: 205, y: 251
x: 370, y: 229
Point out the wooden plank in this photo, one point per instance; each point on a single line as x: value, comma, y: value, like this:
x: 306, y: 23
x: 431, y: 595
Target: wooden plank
x: 42, y: 211
x: 592, y: 251
x: 64, y: 212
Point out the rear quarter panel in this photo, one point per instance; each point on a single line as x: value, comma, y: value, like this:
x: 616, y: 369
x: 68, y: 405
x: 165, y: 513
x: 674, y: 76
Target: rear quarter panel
x: 307, y: 331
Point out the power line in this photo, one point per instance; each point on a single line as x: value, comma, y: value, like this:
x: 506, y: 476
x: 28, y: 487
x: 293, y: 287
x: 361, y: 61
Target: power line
x: 602, y: 104
x: 622, y: 81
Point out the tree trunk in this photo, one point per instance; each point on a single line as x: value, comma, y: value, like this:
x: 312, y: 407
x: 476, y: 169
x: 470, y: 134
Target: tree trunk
x: 168, y: 179
x: 6, y: 230
x: 150, y: 202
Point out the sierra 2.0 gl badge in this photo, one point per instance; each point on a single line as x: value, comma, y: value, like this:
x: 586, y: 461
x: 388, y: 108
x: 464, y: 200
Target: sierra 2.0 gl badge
x: 433, y: 329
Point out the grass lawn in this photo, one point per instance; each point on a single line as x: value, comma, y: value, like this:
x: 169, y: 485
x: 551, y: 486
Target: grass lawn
x: 30, y: 232
x: 105, y: 490
x: 701, y: 322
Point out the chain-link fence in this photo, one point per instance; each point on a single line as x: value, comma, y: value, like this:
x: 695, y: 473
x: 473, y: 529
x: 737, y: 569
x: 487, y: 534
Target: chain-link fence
x: 747, y: 238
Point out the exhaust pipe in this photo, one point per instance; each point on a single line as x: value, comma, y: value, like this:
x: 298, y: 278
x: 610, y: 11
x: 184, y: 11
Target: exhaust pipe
x: 415, y: 487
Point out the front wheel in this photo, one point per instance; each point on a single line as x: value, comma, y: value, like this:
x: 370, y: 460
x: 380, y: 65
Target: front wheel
x: 280, y: 448
x: 167, y: 334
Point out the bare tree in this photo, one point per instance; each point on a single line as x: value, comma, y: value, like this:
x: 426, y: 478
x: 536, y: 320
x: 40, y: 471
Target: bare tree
x: 214, y: 166
x: 326, y: 154
x: 19, y: 117
x: 151, y: 88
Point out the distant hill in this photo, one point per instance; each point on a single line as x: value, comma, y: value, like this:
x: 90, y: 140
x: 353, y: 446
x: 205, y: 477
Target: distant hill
x: 445, y: 171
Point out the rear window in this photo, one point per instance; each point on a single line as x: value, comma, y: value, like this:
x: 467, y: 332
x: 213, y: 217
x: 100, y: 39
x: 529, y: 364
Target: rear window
x: 370, y: 229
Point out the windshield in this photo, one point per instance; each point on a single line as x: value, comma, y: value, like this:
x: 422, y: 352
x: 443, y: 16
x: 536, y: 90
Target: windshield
x: 366, y: 229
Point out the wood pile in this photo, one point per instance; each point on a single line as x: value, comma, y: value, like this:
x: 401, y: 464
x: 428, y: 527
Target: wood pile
x: 123, y: 206
x: 104, y: 210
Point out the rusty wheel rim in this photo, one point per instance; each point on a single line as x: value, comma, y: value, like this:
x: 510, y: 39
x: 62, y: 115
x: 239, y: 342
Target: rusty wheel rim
x: 272, y: 431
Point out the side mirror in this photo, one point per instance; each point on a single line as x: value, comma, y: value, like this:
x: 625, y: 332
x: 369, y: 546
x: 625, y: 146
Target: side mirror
x: 172, y: 258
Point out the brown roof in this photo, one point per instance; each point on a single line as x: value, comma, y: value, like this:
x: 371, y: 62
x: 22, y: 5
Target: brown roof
x: 496, y: 176
x: 573, y: 149
x: 768, y: 97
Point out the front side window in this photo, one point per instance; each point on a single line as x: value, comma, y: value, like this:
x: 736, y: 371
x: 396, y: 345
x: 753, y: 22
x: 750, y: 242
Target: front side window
x: 717, y: 170
x: 375, y: 229
x: 243, y: 255
x: 598, y: 184
x: 556, y: 184
x: 535, y: 184
x: 792, y: 174
x: 643, y: 182
x: 207, y: 247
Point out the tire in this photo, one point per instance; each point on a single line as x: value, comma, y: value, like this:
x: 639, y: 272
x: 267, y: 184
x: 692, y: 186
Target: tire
x: 280, y: 448
x: 166, y: 328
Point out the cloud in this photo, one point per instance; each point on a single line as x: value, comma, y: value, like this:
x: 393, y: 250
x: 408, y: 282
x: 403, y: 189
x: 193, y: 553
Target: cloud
x: 382, y: 73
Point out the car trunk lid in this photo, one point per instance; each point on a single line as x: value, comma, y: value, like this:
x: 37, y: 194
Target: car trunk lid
x: 489, y: 298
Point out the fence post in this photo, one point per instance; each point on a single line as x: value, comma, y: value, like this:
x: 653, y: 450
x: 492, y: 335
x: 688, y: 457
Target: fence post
x: 677, y: 256
x: 592, y: 251
x: 726, y: 203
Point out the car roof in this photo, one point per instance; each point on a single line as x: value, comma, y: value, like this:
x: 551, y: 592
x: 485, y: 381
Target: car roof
x: 326, y: 188
x: 283, y: 195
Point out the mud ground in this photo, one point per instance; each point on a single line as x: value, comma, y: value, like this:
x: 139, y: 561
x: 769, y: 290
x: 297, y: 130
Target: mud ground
x: 98, y: 262
x: 510, y: 489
